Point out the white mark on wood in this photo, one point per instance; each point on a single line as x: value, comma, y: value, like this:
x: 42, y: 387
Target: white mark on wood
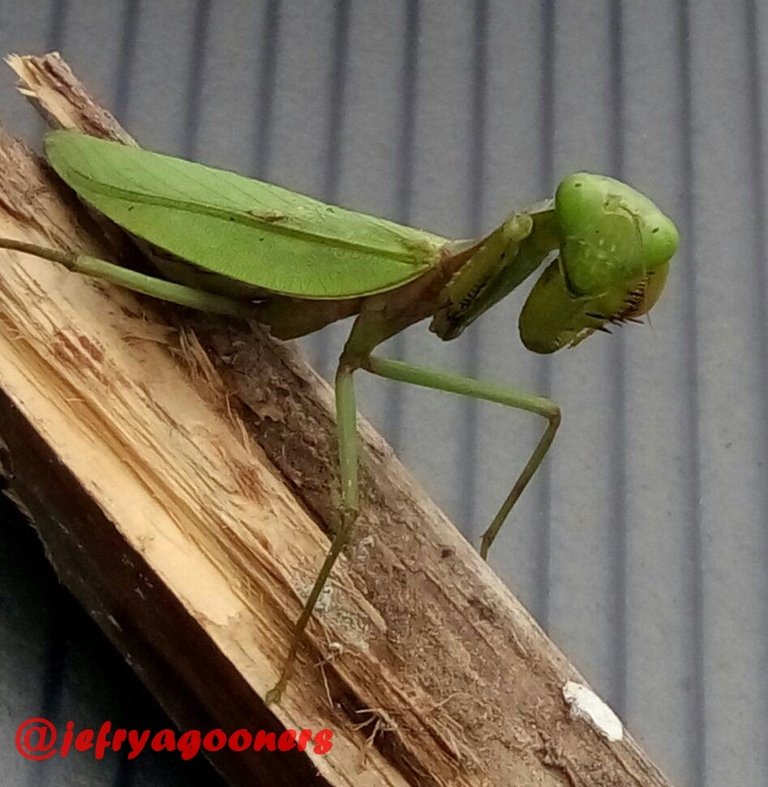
x: 585, y: 704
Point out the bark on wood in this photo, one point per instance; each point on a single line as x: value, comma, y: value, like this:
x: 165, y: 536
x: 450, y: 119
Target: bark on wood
x: 181, y: 471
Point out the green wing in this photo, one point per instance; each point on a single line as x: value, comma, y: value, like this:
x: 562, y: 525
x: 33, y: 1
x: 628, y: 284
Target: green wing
x: 243, y: 229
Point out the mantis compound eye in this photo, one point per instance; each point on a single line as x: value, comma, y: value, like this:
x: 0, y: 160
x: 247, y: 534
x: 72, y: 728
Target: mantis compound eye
x: 615, y: 248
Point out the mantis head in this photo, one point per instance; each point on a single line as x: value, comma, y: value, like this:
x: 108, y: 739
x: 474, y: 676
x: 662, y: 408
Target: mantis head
x: 615, y: 248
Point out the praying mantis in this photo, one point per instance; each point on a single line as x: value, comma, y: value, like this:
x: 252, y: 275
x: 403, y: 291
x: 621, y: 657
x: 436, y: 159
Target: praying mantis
x: 236, y: 246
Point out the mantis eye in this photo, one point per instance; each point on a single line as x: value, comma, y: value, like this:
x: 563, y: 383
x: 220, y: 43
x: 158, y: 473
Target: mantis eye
x: 615, y: 248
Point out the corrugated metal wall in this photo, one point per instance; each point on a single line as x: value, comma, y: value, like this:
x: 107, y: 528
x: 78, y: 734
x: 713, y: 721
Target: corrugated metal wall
x: 641, y: 546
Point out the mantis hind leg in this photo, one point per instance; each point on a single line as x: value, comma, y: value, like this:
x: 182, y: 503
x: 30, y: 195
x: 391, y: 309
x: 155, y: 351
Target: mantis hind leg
x: 153, y: 286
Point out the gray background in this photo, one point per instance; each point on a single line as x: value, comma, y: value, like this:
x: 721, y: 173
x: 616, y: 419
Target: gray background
x: 641, y: 545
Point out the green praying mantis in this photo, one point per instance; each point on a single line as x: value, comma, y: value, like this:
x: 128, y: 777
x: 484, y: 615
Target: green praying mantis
x: 236, y: 246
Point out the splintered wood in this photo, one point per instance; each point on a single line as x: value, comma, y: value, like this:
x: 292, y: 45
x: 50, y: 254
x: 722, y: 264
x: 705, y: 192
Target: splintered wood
x: 181, y: 472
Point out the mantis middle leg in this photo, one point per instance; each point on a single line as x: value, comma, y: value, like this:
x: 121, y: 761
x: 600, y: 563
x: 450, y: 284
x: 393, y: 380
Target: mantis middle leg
x: 346, y: 414
x: 486, y: 391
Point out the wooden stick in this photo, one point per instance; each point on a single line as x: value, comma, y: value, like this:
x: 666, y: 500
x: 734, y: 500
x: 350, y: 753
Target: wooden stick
x: 181, y: 471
